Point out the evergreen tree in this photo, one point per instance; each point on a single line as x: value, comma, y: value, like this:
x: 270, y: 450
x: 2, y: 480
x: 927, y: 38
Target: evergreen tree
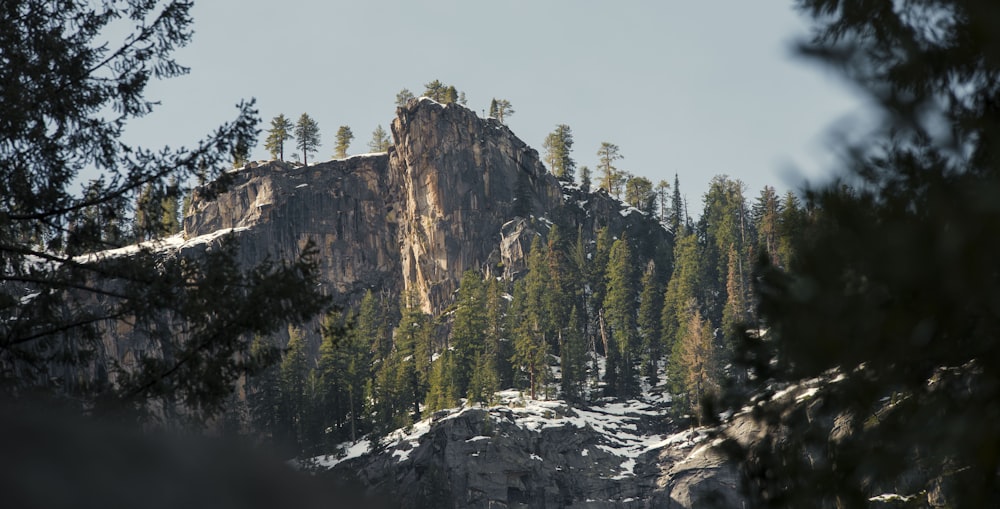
x: 696, y: 358
x: 170, y: 222
x: 661, y: 196
x: 294, y: 375
x: 73, y: 75
x: 444, y: 94
x: 639, y: 194
x: 558, y: 145
x: 573, y: 356
x: 793, y: 221
x: 277, y: 135
x: 306, y: 136
x: 442, y: 391
x: 403, y: 97
x: 735, y: 312
x: 344, y: 137
x: 468, y: 328
x: 530, y: 354
x: 723, y: 224
x: 585, y: 179
x: 500, y: 108
x: 683, y: 287
x: 241, y: 154
x: 413, y: 341
x: 608, y: 154
x: 263, y: 390
x: 676, y: 220
x: 620, y: 314
x: 149, y: 214
x: 380, y: 140
x: 766, y: 214
x: 650, y: 331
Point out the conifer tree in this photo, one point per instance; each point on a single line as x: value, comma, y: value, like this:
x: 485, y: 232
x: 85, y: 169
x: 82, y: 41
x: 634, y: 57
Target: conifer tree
x: 468, y: 328
x: 501, y: 108
x: 306, y: 136
x: 444, y: 94
x: 608, y: 154
x: 572, y: 356
x: 403, y: 97
x: 529, y: 320
x: 585, y: 179
x: 766, y: 214
x: 735, y: 312
x: 695, y: 358
x: 263, y: 389
x: 661, y: 198
x: 639, y: 194
x: 277, y: 135
x: 413, y: 341
x: 558, y: 146
x: 650, y: 331
x: 380, y: 141
x: 294, y: 375
x: 170, y: 205
x: 344, y: 137
x: 676, y: 220
x: 148, y: 214
x: 442, y: 391
x: 793, y: 221
x: 620, y: 314
x: 683, y: 287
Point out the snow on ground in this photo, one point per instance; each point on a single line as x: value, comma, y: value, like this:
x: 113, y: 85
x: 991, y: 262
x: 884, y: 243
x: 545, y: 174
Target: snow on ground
x: 617, y: 421
x: 173, y: 242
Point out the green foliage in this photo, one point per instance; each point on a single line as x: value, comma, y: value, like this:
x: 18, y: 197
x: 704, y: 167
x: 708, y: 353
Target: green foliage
x: 891, y: 288
x: 694, y: 359
x: 500, y: 108
x: 639, y: 194
x: 403, y: 97
x: 380, y: 141
x: 444, y: 94
x: 170, y: 222
x: 277, y: 135
x: 344, y: 137
x: 306, y: 136
x: 610, y: 178
x: 585, y: 179
x: 558, y: 145
x: 649, y: 324
x: 620, y: 314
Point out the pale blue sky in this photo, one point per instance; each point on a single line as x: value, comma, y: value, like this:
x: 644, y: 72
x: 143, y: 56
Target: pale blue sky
x: 695, y: 87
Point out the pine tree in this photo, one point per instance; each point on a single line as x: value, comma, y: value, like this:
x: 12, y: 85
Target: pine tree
x: 608, y: 154
x: 585, y: 179
x: 344, y: 137
x: 170, y: 223
x: 695, y: 354
x: 683, y: 287
x: 380, y: 141
x: 676, y: 220
x: 263, y: 389
x: 572, y: 356
x: 650, y: 331
x: 277, y: 135
x: 661, y: 197
x: 639, y: 194
x: 148, y: 214
x: 793, y: 221
x: 620, y: 314
x: 413, y: 341
x: 529, y: 320
x: 766, y: 214
x: 735, y: 312
x: 468, y: 328
x: 403, y: 98
x: 444, y: 94
x: 294, y: 374
x: 558, y: 145
x: 306, y: 136
x: 442, y: 391
x: 500, y: 108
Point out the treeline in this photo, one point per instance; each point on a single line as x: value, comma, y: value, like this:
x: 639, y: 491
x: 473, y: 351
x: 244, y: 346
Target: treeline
x: 587, y: 319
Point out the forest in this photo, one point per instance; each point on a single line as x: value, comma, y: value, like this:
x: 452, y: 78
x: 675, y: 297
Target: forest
x: 880, y: 288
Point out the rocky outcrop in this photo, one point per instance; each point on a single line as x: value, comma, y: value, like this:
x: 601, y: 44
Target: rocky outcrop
x: 536, y: 454
x: 454, y: 192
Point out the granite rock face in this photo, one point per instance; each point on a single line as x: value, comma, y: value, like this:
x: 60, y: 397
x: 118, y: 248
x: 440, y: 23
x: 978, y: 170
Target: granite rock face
x: 544, y: 454
x: 454, y: 192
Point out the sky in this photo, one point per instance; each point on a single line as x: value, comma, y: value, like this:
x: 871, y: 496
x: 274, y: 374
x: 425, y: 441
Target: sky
x: 694, y: 88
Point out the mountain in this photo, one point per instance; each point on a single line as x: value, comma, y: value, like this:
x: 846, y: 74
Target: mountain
x: 455, y: 192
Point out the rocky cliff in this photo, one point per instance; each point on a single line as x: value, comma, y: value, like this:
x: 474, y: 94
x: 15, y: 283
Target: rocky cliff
x: 534, y: 454
x: 454, y: 192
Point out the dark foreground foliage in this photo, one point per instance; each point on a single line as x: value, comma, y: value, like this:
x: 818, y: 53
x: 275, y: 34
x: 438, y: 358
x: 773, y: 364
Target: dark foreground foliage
x: 894, y: 295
